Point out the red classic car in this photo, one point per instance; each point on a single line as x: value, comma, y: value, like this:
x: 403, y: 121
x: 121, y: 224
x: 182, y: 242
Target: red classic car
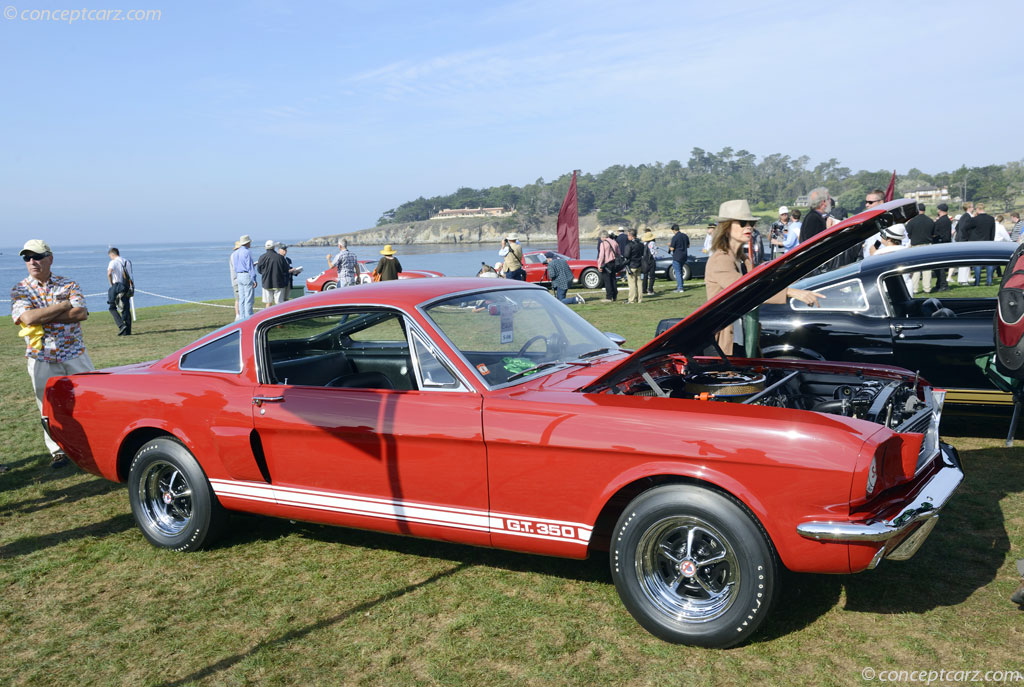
x: 328, y: 279
x: 491, y: 414
x: 584, y: 272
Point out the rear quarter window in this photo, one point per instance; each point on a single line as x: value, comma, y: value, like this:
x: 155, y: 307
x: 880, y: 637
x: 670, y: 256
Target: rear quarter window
x: 221, y: 355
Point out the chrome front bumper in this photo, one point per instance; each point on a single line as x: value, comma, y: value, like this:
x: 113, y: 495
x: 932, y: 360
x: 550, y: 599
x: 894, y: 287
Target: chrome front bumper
x: 921, y: 513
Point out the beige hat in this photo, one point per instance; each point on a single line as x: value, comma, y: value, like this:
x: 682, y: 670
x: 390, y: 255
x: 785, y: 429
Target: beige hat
x: 37, y: 246
x: 648, y: 236
x: 269, y: 243
x: 513, y: 236
x: 243, y: 240
x: 736, y: 209
x: 387, y: 250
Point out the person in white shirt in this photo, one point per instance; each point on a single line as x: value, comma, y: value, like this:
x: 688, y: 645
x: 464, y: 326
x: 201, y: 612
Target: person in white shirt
x: 122, y: 287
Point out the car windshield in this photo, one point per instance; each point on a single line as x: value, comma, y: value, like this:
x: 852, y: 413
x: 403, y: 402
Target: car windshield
x: 505, y: 334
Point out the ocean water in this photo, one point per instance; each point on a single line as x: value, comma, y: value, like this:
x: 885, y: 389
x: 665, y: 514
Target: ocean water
x: 199, y: 271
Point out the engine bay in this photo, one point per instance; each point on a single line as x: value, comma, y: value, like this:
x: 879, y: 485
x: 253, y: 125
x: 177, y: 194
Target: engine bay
x: 889, y: 402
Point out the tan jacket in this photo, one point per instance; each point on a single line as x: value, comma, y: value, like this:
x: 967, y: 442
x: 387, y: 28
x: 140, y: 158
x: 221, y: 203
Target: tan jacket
x: 721, y: 271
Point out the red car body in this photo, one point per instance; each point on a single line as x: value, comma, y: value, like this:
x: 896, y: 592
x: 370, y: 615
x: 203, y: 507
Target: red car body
x: 585, y: 273
x: 328, y: 279
x: 568, y: 451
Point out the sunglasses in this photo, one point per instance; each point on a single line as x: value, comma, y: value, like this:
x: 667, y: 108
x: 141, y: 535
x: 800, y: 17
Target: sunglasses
x: 747, y: 223
x: 868, y: 201
x: 35, y: 256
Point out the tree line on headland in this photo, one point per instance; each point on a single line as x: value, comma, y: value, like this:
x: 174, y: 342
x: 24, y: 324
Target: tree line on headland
x: 690, y: 193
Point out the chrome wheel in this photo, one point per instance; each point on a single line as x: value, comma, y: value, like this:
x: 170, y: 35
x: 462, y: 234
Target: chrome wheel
x: 166, y: 498
x: 687, y: 569
x: 591, y: 279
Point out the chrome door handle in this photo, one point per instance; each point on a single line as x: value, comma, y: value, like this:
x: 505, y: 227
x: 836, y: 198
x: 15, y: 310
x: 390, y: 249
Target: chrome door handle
x: 260, y: 400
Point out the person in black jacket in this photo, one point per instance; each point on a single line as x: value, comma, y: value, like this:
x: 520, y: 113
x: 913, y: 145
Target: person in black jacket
x: 649, y: 262
x: 680, y: 249
x: 921, y: 230
x: 983, y: 228
x: 634, y: 255
x: 943, y: 232
x: 815, y: 222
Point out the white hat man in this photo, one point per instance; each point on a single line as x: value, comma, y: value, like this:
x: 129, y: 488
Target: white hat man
x: 512, y: 255
x: 49, y: 309
x: 245, y: 276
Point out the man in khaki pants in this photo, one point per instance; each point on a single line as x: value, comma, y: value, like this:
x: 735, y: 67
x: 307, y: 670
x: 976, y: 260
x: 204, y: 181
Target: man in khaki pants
x: 49, y: 309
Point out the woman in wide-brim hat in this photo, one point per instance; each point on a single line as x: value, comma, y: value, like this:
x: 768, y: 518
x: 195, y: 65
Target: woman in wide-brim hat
x: 729, y: 260
x: 388, y: 266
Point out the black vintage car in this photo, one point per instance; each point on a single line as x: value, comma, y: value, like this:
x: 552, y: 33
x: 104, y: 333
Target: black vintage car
x: 696, y: 261
x: 869, y: 315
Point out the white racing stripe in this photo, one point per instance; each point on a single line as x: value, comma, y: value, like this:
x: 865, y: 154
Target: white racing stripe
x: 406, y: 511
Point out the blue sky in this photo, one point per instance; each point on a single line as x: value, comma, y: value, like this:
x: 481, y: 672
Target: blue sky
x: 299, y: 119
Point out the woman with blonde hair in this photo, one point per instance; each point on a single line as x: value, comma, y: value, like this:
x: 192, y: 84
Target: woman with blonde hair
x: 730, y: 260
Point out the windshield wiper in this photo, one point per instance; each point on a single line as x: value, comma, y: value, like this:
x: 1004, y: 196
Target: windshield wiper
x: 591, y: 354
x: 531, y: 370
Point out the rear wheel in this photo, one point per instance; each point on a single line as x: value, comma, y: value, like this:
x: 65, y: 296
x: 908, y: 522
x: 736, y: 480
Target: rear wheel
x: 693, y: 567
x: 591, y: 279
x: 171, y: 499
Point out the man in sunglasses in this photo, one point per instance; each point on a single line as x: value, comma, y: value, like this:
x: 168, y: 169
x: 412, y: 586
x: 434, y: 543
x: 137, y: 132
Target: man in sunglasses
x: 49, y: 308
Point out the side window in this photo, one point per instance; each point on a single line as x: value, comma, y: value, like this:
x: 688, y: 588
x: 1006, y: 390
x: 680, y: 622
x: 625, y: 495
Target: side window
x: 222, y: 355
x: 358, y: 349
x: 434, y: 373
x: 846, y: 296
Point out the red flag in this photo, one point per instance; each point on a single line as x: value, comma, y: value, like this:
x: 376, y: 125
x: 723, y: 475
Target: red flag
x: 569, y: 223
x: 892, y: 187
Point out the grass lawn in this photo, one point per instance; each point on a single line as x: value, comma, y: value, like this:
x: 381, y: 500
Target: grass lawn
x: 87, y: 601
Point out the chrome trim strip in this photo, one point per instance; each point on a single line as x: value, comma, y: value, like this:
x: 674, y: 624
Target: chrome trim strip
x: 930, y: 499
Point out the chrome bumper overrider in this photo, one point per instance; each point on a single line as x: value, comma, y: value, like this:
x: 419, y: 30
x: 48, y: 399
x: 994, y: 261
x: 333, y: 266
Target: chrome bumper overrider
x: 930, y: 499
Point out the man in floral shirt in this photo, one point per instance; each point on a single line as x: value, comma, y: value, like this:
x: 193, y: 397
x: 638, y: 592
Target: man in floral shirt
x: 49, y: 309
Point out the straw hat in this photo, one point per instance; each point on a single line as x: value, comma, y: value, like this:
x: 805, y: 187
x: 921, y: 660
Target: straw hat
x: 243, y: 240
x: 387, y: 250
x: 736, y: 209
x: 513, y: 236
x: 648, y: 236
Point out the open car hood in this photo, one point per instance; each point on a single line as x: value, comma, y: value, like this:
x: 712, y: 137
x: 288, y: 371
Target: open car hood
x: 695, y: 334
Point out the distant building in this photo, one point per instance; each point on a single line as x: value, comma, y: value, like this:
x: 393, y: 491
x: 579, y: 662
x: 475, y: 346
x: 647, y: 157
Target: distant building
x: 449, y: 213
x: 928, y: 194
x: 802, y: 201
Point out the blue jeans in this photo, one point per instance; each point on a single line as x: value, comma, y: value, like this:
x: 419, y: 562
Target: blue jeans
x: 246, y: 295
x: 560, y: 295
x: 677, y: 267
x: 988, y: 275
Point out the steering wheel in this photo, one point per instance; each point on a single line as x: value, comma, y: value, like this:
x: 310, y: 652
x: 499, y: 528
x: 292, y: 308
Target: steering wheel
x: 531, y: 341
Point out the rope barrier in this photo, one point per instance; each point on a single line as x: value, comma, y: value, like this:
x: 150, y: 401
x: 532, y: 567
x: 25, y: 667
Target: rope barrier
x: 156, y: 295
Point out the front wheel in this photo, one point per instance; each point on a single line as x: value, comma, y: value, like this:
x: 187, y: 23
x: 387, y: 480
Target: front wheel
x: 330, y: 286
x: 686, y: 273
x: 591, y: 279
x: 693, y: 567
x: 171, y: 499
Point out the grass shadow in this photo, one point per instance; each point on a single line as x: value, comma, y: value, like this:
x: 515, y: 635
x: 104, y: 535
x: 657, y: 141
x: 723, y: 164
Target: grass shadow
x: 304, y: 630
x: 60, y: 497
x: 27, y: 545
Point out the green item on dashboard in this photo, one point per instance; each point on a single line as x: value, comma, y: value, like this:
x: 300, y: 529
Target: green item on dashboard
x: 514, y: 365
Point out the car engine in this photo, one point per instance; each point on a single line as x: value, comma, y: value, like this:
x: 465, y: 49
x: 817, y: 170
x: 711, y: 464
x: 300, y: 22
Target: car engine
x: 881, y: 400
